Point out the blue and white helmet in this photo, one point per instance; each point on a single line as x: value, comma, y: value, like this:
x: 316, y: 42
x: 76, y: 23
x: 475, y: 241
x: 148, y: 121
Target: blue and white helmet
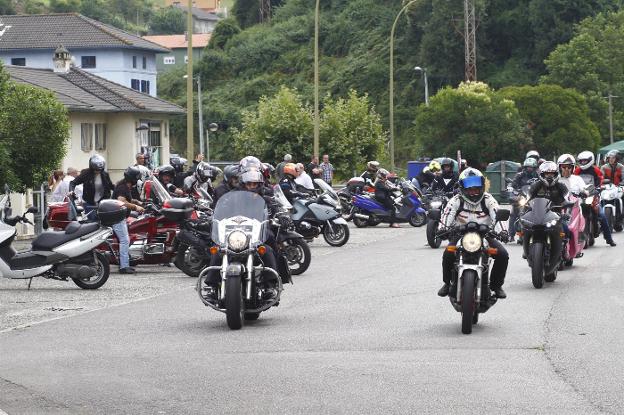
x: 469, y: 180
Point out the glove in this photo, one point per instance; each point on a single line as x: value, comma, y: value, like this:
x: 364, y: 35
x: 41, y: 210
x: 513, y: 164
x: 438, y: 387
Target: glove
x: 504, y: 236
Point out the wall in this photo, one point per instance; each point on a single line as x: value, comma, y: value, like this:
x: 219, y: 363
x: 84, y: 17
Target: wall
x: 179, y: 55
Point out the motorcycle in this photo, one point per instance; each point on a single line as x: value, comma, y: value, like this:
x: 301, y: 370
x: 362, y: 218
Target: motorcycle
x: 518, y: 198
x: 239, y: 230
x: 434, y: 204
x: 611, y: 201
x: 70, y: 254
x: 589, y: 204
x: 470, y: 294
x: 576, y: 241
x: 544, y: 250
x: 407, y: 200
x: 355, y: 186
x: 321, y: 215
x: 291, y: 244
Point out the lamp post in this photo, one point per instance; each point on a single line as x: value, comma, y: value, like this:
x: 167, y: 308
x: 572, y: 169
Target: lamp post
x: 189, y: 82
x: 391, y: 86
x: 200, y: 112
x: 424, y: 72
x: 316, y: 80
x: 212, y: 127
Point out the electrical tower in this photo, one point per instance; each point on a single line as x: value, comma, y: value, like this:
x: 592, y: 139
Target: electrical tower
x: 470, y: 38
x: 265, y: 11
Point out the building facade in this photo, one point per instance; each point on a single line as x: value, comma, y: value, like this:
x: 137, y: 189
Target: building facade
x: 177, y: 44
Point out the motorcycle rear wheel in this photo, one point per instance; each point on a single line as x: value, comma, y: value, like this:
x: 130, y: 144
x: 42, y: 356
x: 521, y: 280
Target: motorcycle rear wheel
x: 359, y: 222
x: 467, y: 299
x: 337, y: 238
x: 298, y: 255
x: 417, y: 220
x: 189, y: 261
x: 537, y: 270
x: 101, y: 276
x: 234, y: 303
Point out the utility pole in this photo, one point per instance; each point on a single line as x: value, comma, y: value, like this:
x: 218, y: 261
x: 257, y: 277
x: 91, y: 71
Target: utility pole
x: 201, y: 115
x: 317, y: 119
x: 265, y: 11
x: 189, y: 83
x: 470, y: 38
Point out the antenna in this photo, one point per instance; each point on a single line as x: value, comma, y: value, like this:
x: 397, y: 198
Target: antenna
x: 470, y: 38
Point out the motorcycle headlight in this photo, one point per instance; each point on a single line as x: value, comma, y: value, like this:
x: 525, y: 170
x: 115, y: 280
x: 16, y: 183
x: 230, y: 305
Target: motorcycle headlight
x: 436, y: 204
x: 237, y: 241
x: 471, y: 242
x: 551, y: 223
x: 522, y: 201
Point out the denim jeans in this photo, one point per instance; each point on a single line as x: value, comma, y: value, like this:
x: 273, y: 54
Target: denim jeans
x: 604, y: 225
x: 121, y: 230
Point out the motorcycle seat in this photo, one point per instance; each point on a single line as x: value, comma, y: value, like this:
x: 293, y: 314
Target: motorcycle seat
x: 50, y: 240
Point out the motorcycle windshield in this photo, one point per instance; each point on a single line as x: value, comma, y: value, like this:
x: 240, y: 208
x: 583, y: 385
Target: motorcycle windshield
x: 280, y: 197
x: 157, y: 190
x: 326, y: 188
x: 540, y: 212
x: 240, y: 211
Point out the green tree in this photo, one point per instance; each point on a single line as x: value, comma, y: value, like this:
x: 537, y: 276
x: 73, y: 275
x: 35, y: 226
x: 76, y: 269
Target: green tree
x: 64, y: 6
x: 224, y: 31
x: 6, y: 7
x: 473, y: 119
x: 34, y: 7
x: 168, y: 21
x: 31, y: 120
x: 558, y: 118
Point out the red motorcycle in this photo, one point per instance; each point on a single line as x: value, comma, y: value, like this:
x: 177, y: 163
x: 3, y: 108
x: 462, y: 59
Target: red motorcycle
x: 152, y: 237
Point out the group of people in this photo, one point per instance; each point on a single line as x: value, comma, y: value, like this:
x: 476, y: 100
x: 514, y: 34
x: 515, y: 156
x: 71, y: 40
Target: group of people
x: 313, y: 170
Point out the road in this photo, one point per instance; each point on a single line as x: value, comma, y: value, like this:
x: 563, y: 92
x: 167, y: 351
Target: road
x: 361, y: 332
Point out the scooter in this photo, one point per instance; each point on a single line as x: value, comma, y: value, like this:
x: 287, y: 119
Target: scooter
x: 409, y: 210
x: 611, y: 201
x: 60, y: 256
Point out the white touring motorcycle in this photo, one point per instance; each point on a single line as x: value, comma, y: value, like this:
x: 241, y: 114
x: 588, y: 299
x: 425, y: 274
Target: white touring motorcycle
x: 69, y: 254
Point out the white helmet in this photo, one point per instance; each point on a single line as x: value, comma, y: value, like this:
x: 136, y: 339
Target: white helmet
x: 586, y: 160
x: 549, y: 173
x: 566, y: 159
x: 532, y: 154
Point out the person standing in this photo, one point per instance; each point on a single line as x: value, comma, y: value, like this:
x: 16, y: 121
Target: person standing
x: 55, y: 182
x: 62, y: 189
x: 140, y: 163
x: 126, y: 192
x: 328, y: 170
x: 280, y: 167
x: 199, y: 157
x: 314, y: 170
x: 97, y: 183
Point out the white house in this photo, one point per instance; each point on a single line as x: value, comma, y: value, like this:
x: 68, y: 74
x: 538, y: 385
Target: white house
x: 100, y: 49
x: 106, y: 118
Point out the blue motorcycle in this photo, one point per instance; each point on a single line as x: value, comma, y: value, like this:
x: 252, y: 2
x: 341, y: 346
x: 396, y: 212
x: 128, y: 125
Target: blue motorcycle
x: 369, y: 212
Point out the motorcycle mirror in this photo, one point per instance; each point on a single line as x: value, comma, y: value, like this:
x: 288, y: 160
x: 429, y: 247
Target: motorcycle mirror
x: 33, y: 210
x: 502, y: 215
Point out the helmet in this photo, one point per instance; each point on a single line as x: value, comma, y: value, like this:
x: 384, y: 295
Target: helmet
x: 469, y: 180
x: 250, y: 162
x: 177, y: 163
x: 372, y: 166
x: 97, y: 163
x: 446, y: 162
x: 434, y: 166
x: 530, y: 162
x: 383, y: 173
x: 253, y: 176
x: 549, y: 173
x: 532, y: 154
x: 230, y: 172
x: 291, y: 169
x: 566, y: 159
x: 167, y: 170
x: 613, y: 153
x: 204, y: 172
x: 288, y: 158
x: 268, y: 170
x: 586, y: 160
x: 132, y: 174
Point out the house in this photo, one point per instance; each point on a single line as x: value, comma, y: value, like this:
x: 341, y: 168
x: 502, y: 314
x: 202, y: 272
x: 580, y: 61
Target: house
x: 100, y: 49
x: 178, y: 45
x: 208, y: 5
x: 204, y: 21
x: 106, y: 118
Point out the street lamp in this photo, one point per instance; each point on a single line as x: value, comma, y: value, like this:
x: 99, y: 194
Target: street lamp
x: 391, y: 86
x: 424, y: 72
x: 212, y: 127
x: 200, y: 111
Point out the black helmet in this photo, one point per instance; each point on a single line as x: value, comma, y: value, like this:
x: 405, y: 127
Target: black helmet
x: 549, y: 173
x: 205, y: 172
x: 177, y: 163
x: 230, y: 172
x: 97, y: 163
x: 166, y: 170
x: 446, y: 162
x: 132, y: 174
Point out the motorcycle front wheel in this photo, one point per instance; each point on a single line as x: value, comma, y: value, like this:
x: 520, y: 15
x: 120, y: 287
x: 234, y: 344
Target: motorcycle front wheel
x: 537, y: 270
x: 298, y: 255
x: 417, y: 220
x: 338, y: 237
x: 101, y: 276
x: 234, y: 303
x: 467, y: 299
x: 432, y: 228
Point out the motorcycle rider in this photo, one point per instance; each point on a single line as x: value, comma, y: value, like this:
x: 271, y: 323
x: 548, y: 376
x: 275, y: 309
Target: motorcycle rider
x: 473, y: 204
x: 613, y: 170
x: 230, y: 182
x: 96, y: 182
x: 370, y: 174
x: 288, y: 184
x: 428, y: 174
x: 527, y: 175
x: 574, y: 183
x: 446, y: 181
x: 384, y: 189
x: 202, y: 177
x: 587, y: 169
x: 126, y: 192
x: 166, y: 176
x: 178, y: 165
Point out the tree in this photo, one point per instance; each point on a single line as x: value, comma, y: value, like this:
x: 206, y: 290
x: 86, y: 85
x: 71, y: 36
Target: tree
x: 558, y: 118
x: 64, y: 6
x: 168, y: 21
x: 473, y: 119
x: 224, y: 31
x: 6, y: 7
x: 34, y: 128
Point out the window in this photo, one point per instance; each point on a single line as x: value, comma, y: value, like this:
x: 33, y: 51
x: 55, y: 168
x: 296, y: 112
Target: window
x: 144, y: 62
x: 100, y: 137
x: 18, y: 61
x: 169, y: 60
x: 145, y: 87
x: 88, y: 62
x: 86, y: 136
x: 135, y: 84
x: 134, y: 63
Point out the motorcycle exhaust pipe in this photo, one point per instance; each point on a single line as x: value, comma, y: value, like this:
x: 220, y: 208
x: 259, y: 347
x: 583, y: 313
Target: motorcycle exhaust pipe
x: 361, y: 216
x: 75, y: 271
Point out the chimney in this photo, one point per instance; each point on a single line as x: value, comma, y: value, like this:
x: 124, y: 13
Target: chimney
x: 62, y: 60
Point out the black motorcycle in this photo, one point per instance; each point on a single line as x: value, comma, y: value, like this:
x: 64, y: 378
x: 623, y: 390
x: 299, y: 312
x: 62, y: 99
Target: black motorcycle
x: 544, y: 240
x: 434, y: 203
x: 470, y: 293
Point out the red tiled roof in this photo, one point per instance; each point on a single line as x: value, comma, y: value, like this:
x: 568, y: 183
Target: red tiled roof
x: 200, y: 40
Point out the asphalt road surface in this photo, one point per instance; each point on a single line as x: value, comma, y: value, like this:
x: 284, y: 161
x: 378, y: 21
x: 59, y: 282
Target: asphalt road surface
x: 362, y: 331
